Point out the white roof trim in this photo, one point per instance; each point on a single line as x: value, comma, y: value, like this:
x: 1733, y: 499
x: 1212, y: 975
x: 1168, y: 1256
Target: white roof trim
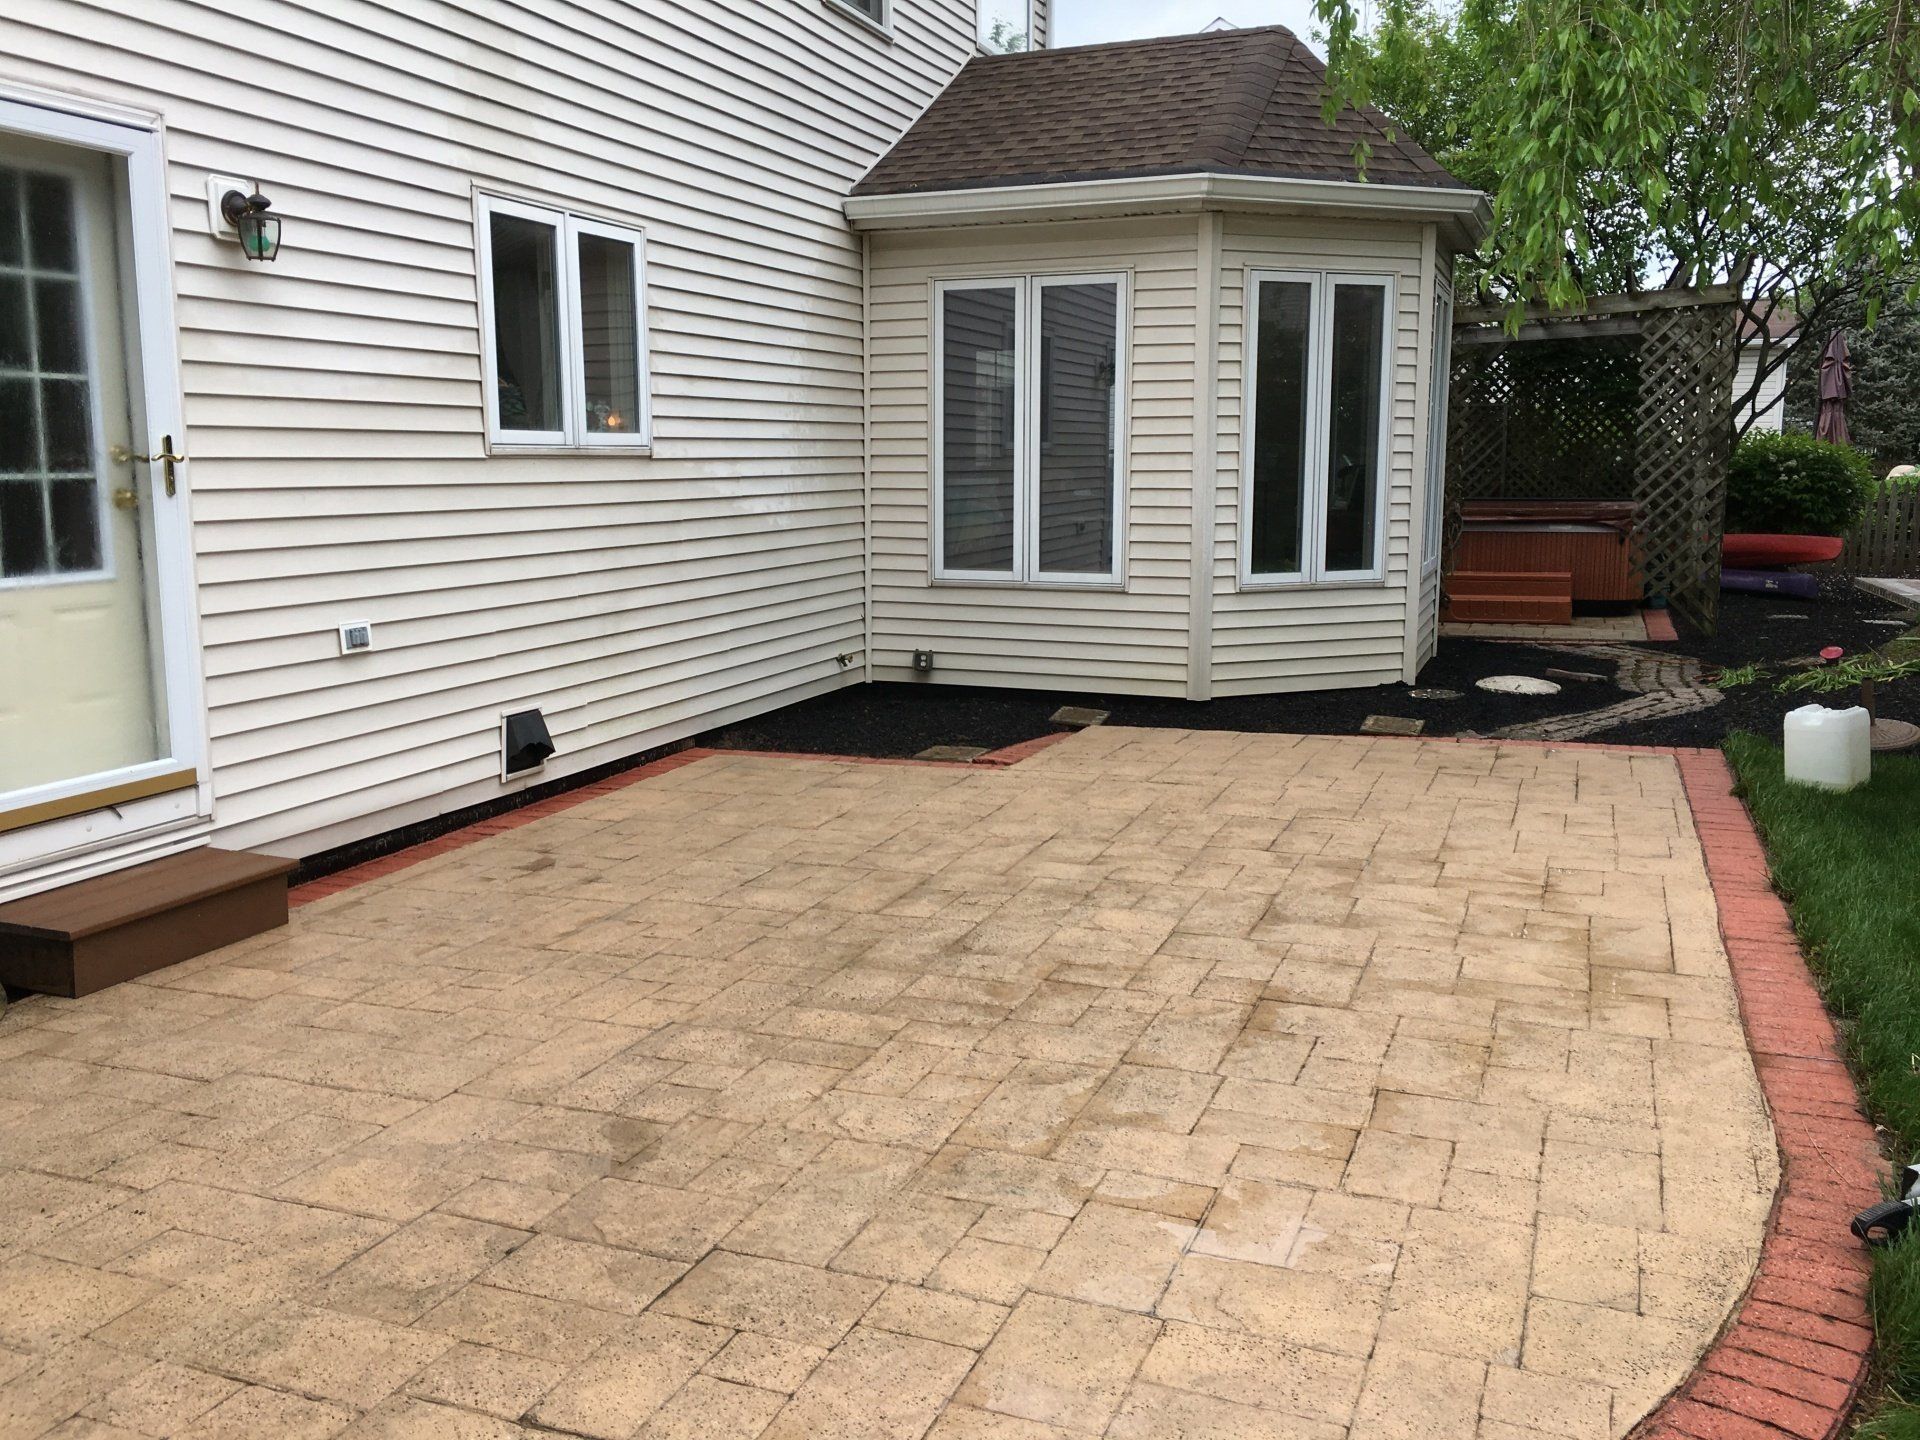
x: 1465, y: 215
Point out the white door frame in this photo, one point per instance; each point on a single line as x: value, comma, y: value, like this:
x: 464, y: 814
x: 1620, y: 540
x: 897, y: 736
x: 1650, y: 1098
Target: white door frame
x: 155, y: 393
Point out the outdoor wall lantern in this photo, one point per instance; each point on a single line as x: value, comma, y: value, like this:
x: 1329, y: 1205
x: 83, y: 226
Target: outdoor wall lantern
x: 259, y: 232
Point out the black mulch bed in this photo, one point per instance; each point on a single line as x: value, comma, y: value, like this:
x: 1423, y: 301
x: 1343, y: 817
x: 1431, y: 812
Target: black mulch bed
x: 903, y: 720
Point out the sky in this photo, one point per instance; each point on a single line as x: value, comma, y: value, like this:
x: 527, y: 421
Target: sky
x: 1087, y: 22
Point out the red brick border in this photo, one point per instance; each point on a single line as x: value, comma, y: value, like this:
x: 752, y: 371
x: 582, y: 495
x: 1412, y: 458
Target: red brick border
x: 1791, y: 1363
x: 1660, y: 629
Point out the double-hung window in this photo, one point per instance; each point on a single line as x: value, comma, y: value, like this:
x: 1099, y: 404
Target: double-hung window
x: 1004, y: 27
x: 565, y: 328
x: 1314, y: 492
x: 1028, y: 421
x: 1441, y: 361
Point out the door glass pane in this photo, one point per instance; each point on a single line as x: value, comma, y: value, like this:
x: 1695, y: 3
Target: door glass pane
x: 1283, y: 324
x: 977, y: 426
x: 1005, y: 26
x: 78, y: 587
x: 526, y: 323
x: 610, y: 334
x: 1079, y: 354
x: 1353, y: 455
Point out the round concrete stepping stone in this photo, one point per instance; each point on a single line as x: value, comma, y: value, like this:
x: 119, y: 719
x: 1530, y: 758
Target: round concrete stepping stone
x: 1518, y: 685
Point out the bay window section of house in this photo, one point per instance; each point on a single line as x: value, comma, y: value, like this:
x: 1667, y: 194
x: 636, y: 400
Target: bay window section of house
x: 1314, y: 491
x: 565, y: 338
x: 1028, y: 375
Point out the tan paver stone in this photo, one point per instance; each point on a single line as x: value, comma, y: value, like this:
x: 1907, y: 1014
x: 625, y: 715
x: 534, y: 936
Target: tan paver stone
x: 629, y: 1377
x: 874, y: 1386
x: 581, y: 1273
x: 495, y: 1382
x: 765, y: 1363
x: 1253, y: 1221
x: 332, y: 1356
x: 161, y: 1399
x: 1319, y: 1063
x: 1060, y: 1362
x: 707, y: 1408
x: 44, y: 1300
x: 936, y: 1315
x: 1411, y: 1394
x: 417, y: 1267
x: 259, y: 1411
x: 1115, y: 1256
x: 1323, y: 1311
x: 1253, y: 1370
x: 674, y: 1224
x: 1152, y: 1411
x: 771, y: 1297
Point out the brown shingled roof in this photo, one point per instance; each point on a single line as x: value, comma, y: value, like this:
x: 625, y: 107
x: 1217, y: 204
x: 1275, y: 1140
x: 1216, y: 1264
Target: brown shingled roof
x: 1236, y: 102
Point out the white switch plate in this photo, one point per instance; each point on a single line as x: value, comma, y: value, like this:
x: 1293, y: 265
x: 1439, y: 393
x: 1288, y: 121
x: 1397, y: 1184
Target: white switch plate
x: 355, y: 636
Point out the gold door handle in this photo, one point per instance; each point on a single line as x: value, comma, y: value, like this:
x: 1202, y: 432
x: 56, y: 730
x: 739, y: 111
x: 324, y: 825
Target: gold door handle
x: 164, y: 457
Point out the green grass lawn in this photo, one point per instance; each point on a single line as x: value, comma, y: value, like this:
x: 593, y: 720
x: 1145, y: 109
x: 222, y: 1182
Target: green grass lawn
x: 1849, y: 867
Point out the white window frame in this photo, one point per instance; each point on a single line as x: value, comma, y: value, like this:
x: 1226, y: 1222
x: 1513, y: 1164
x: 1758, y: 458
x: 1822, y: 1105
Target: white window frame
x: 83, y: 240
x: 568, y: 226
x: 883, y: 22
x: 979, y: 40
x: 1439, y: 385
x: 1027, y: 439
x: 1321, y: 286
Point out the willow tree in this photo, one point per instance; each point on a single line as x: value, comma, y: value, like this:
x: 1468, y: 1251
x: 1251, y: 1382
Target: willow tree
x: 1634, y: 143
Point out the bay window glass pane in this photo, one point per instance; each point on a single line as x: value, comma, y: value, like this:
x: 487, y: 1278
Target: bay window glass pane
x: 1079, y: 357
x: 977, y: 428
x: 1353, y: 453
x: 1283, y: 323
x: 526, y: 323
x: 610, y: 334
x: 1006, y: 26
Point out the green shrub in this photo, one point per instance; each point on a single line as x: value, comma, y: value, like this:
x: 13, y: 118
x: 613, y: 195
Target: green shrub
x: 1787, y: 484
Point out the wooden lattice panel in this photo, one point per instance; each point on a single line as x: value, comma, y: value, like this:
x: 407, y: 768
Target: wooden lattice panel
x: 1685, y: 428
x: 1634, y: 402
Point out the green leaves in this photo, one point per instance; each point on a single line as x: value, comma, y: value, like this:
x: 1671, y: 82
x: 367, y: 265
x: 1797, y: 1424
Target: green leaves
x: 1623, y: 138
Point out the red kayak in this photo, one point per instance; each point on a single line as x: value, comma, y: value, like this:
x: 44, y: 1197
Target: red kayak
x: 1759, y: 552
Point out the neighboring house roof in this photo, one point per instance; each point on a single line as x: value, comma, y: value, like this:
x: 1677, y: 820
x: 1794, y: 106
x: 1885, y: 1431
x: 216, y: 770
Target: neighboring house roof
x: 1781, y: 324
x: 1236, y: 102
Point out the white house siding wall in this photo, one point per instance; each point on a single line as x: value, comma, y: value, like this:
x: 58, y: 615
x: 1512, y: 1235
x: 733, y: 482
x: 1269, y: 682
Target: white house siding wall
x: 1132, y: 642
x: 1769, y: 408
x: 333, y: 398
x: 1318, y: 638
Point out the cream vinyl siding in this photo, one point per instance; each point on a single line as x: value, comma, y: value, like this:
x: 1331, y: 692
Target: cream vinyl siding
x: 1318, y: 637
x: 1131, y: 640
x: 333, y: 398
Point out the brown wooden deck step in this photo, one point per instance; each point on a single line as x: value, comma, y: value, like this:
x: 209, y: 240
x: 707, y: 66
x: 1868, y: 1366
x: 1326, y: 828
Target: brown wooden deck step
x: 95, y: 933
x: 1510, y: 597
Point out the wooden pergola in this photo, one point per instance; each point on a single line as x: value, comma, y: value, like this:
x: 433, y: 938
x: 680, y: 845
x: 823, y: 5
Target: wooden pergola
x: 1629, y: 399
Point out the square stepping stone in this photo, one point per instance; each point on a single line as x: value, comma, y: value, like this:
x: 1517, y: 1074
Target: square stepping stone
x: 964, y: 754
x: 1391, y: 725
x: 1078, y: 717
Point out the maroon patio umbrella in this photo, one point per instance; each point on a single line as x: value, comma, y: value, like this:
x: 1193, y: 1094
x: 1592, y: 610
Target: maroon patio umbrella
x: 1836, y: 383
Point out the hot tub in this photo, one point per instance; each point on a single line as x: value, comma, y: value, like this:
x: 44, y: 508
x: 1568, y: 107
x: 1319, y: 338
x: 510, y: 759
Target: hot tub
x: 1592, y: 540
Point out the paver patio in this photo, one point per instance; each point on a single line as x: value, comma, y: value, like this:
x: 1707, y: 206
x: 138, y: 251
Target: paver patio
x: 1165, y: 1085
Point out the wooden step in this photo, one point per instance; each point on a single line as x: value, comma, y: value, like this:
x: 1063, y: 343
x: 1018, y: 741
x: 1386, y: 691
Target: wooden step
x: 1547, y: 583
x: 94, y: 933
x: 1509, y: 610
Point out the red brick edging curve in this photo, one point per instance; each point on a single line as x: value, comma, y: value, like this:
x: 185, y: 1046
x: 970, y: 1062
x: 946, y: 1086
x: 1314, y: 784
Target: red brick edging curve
x: 1792, y: 1360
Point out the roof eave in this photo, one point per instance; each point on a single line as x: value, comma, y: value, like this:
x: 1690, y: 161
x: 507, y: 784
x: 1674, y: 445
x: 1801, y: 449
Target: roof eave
x: 1464, y: 216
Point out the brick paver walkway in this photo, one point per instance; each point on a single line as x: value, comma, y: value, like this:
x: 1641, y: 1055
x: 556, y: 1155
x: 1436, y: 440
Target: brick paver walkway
x: 1167, y: 1086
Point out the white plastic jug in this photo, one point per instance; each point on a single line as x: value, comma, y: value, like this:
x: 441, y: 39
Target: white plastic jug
x: 1830, y: 749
